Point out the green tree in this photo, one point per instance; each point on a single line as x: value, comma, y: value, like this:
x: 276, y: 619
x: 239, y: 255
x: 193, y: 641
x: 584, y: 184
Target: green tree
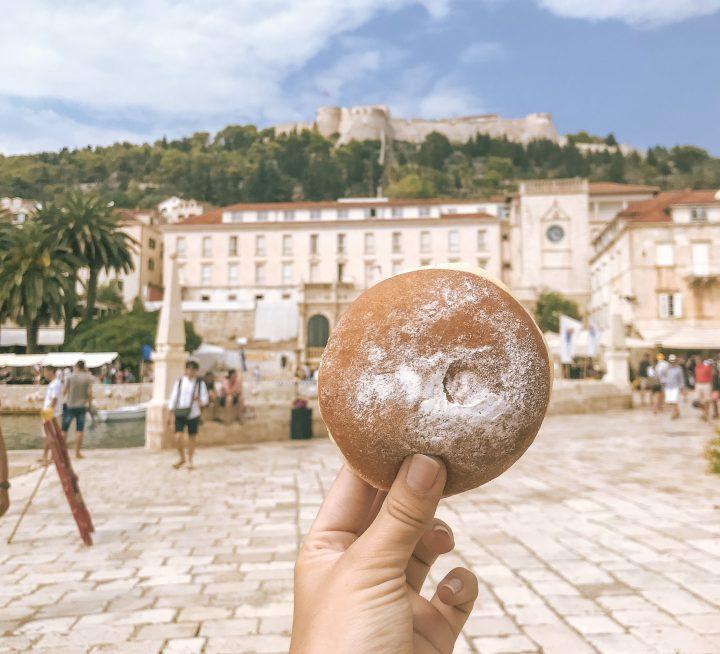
x: 434, y: 150
x: 36, y: 276
x: 411, y: 185
x: 110, y: 297
x: 91, y: 229
x: 125, y: 334
x: 550, y: 306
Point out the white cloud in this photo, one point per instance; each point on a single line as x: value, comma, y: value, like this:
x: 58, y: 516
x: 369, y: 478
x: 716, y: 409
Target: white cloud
x: 641, y: 13
x: 479, y: 53
x: 176, y: 60
x: 447, y: 97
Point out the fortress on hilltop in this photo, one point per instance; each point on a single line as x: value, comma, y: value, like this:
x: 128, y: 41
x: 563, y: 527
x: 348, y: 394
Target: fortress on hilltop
x: 374, y: 122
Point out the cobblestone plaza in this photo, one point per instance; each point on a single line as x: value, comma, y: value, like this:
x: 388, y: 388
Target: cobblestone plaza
x: 604, y: 537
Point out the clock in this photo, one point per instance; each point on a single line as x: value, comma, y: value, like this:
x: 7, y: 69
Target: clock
x: 555, y: 233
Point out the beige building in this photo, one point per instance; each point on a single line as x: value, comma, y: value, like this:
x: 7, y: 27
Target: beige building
x: 246, y: 263
x: 145, y: 281
x: 552, y: 226
x: 657, y: 264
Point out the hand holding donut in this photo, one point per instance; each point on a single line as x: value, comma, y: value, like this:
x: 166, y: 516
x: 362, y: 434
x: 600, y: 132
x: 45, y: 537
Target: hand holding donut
x: 361, y: 567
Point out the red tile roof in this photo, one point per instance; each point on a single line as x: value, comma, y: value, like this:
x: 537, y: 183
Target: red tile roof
x: 658, y: 208
x: 209, y: 218
x: 613, y: 188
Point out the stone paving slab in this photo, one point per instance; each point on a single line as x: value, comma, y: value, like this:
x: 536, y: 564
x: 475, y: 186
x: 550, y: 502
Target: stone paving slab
x: 602, y: 538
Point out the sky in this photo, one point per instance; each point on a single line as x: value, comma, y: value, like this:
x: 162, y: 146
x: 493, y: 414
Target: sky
x: 92, y: 72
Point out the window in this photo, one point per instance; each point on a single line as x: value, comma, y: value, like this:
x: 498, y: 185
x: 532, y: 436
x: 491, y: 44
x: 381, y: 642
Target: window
x: 482, y: 263
x: 262, y: 216
x: 207, y: 246
x: 260, y: 245
x: 285, y: 296
x: 396, y: 243
x: 232, y: 273
x: 481, y: 240
x: 340, y: 271
x: 670, y: 305
x: 397, y: 266
x: 698, y: 214
x: 287, y: 245
x: 371, y: 212
x: 451, y: 210
x: 369, y: 243
x: 425, y: 262
x: 424, y: 241
x: 233, y: 246
x: 151, y: 264
x: 424, y: 212
x: 396, y: 212
x: 313, y: 243
x: 315, y: 214
x: 232, y: 297
x: 701, y: 259
x: 151, y: 243
x: 370, y: 273
x: 180, y: 245
x: 318, y: 331
x: 555, y: 233
x: 341, y: 243
x: 259, y: 273
x: 314, y: 268
x: 288, y: 215
x: 206, y: 273
x: 236, y: 216
x: 205, y: 298
x: 343, y: 213
x: 664, y: 255
x: 287, y: 273
x: 453, y: 241
x: 181, y: 274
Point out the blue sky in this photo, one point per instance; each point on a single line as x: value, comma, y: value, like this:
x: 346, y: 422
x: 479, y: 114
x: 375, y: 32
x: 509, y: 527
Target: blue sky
x: 83, y: 72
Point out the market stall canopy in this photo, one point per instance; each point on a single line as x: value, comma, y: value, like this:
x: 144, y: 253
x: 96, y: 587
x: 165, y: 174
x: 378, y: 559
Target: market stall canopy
x: 581, y: 342
x: 58, y: 359
x: 276, y: 321
x: 688, y: 338
x: 16, y: 337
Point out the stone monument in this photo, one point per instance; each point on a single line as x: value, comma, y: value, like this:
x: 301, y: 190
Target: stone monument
x: 616, y: 356
x: 168, y: 359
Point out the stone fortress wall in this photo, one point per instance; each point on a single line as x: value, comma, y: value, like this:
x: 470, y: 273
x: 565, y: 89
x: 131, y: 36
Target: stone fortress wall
x: 375, y: 122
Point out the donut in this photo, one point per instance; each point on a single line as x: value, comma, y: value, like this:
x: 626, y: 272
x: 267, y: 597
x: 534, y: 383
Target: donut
x: 441, y: 360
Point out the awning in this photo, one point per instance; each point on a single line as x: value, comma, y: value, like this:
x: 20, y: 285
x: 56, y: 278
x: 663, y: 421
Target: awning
x: 581, y: 342
x: 688, y: 338
x: 16, y: 337
x: 58, y: 359
x: 276, y: 321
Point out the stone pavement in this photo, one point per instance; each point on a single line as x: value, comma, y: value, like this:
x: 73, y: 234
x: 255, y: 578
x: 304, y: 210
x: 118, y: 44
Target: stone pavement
x: 604, y: 537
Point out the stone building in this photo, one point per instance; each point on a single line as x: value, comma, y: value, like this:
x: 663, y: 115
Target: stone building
x: 657, y: 264
x: 551, y: 228
x: 375, y: 122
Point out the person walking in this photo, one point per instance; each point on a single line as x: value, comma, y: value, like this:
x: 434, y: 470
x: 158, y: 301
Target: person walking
x: 51, y: 404
x: 661, y: 368
x: 715, y: 394
x: 703, y: 385
x: 77, y: 395
x: 674, y: 381
x: 188, y: 396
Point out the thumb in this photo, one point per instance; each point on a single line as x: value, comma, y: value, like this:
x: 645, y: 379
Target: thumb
x: 408, y: 510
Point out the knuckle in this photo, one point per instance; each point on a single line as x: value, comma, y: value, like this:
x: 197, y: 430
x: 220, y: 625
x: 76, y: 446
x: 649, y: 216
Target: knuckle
x: 405, y: 512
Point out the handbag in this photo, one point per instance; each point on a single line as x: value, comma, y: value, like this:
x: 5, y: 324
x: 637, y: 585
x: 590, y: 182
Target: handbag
x: 184, y: 413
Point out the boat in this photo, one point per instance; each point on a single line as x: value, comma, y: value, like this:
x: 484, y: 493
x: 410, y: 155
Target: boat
x: 123, y: 414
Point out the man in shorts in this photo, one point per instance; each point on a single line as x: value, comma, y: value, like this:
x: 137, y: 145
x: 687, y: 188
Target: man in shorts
x: 77, y: 394
x: 188, y: 396
x: 51, y: 404
x: 674, y: 381
x: 703, y: 384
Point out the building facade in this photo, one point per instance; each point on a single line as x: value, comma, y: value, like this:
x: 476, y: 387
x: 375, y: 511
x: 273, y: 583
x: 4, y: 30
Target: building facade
x: 552, y: 226
x: 657, y: 264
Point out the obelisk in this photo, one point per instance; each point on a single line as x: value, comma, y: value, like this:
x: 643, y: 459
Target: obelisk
x: 168, y: 361
x: 617, y: 356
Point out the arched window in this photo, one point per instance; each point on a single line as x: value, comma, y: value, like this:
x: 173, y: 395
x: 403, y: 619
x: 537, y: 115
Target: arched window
x: 318, y: 331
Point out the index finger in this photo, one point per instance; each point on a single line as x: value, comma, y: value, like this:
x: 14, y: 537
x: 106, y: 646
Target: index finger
x: 347, y: 504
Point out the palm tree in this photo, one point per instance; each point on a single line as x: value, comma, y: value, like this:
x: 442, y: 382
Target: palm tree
x: 36, y: 275
x: 90, y: 228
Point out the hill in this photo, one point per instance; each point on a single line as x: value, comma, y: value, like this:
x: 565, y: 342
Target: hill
x: 242, y: 163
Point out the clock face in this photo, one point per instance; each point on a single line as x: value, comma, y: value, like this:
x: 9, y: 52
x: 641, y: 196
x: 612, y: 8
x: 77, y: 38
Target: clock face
x: 555, y: 233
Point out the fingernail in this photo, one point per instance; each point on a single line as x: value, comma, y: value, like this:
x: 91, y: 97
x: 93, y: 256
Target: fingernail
x: 422, y: 472
x: 442, y: 529
x: 454, y: 585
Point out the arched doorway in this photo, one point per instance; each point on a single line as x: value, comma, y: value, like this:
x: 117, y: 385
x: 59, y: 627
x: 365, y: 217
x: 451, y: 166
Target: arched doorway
x: 318, y: 331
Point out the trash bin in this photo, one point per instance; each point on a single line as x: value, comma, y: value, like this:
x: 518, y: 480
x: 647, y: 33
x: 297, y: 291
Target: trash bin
x: 300, y: 423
